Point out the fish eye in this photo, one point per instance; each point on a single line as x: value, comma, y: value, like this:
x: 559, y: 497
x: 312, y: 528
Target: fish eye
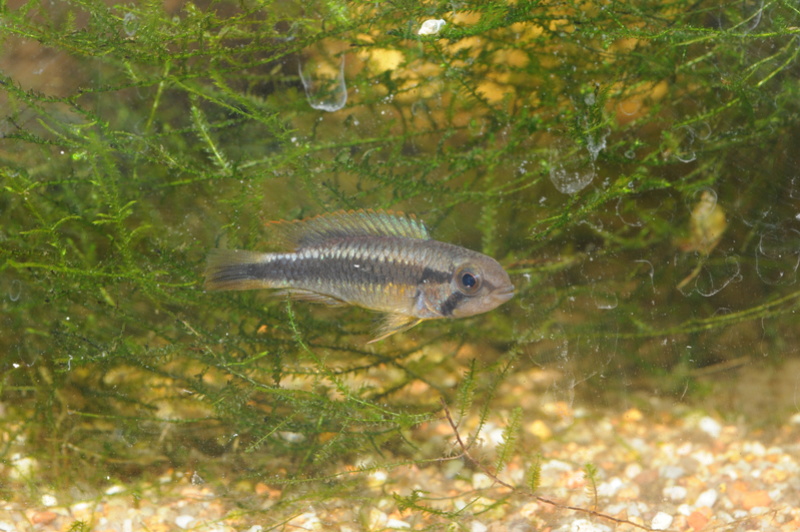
x: 468, y: 282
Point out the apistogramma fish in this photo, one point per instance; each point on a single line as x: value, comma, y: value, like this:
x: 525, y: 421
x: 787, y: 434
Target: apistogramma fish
x: 373, y: 259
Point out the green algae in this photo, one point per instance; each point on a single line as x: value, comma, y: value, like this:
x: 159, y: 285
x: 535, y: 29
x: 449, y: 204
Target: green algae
x: 570, y: 141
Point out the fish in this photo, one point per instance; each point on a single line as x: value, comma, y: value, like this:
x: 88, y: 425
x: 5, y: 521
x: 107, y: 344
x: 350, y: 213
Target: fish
x: 380, y: 260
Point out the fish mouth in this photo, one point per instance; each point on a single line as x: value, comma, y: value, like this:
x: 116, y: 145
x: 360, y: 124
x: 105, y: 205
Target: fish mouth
x: 504, y: 295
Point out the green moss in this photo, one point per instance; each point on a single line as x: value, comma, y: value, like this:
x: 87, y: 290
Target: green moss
x: 136, y: 138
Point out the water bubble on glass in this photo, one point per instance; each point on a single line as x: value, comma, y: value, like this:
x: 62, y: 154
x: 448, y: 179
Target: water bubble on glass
x: 605, y: 300
x: 778, y: 256
x: 631, y: 223
x: 15, y: 291
x: 596, y: 144
x: 324, y: 84
x: 712, y: 279
x: 794, y: 188
x: 130, y: 24
x: 651, y: 273
x: 570, y: 171
x: 685, y: 152
x: 571, y: 181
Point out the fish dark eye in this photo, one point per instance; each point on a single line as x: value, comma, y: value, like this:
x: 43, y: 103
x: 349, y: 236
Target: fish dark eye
x: 468, y: 281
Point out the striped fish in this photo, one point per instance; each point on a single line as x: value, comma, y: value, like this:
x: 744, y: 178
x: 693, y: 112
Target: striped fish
x: 378, y: 260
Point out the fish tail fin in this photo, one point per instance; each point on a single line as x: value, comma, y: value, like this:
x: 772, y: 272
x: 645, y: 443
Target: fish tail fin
x: 394, y: 323
x: 232, y: 269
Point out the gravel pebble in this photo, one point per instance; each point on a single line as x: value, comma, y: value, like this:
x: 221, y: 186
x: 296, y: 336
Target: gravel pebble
x: 657, y: 471
x: 661, y: 521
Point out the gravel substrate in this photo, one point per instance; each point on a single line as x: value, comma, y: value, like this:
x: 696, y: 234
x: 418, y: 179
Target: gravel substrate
x: 669, y: 469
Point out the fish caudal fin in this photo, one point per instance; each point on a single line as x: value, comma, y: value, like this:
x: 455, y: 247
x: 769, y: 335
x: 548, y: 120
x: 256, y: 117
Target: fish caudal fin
x: 231, y: 269
x: 395, y: 323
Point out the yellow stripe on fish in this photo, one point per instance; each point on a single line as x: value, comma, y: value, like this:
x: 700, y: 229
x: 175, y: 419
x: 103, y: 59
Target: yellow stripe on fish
x: 378, y: 260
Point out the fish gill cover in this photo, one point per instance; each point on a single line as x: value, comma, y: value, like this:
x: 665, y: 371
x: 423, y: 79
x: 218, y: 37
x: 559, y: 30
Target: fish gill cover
x: 633, y: 167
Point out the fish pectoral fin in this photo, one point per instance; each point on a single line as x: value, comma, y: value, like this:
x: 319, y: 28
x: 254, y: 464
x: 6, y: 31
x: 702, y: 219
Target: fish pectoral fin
x: 299, y: 294
x: 394, y: 323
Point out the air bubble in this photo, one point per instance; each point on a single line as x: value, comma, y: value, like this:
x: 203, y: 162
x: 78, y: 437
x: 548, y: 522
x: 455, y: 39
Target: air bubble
x: 571, y: 181
x: 605, y: 300
x: 685, y: 152
x: 635, y: 223
x: 130, y: 24
x: 794, y: 188
x: 324, y: 84
x: 711, y: 279
x: 778, y: 256
x: 570, y: 173
x: 15, y: 291
x: 596, y: 144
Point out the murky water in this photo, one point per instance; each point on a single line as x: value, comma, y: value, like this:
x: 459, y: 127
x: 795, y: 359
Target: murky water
x: 639, y: 183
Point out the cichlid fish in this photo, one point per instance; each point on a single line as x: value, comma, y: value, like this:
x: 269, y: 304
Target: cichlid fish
x: 378, y: 260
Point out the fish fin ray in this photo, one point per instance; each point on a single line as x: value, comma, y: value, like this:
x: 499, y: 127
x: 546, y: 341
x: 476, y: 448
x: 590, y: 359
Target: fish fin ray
x: 342, y: 224
x: 298, y: 294
x: 395, y: 323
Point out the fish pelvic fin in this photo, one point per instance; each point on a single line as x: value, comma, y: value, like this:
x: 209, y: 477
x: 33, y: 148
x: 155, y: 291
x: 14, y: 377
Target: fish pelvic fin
x: 344, y: 224
x: 232, y: 269
x: 395, y: 323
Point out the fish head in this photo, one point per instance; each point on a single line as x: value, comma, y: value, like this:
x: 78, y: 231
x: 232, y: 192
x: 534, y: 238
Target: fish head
x: 479, y: 284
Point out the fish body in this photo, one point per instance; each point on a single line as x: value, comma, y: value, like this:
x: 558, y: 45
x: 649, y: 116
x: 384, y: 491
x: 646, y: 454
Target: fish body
x: 377, y: 260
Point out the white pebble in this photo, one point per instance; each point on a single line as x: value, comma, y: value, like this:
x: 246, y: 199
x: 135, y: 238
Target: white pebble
x: 757, y: 448
x: 710, y: 426
x: 584, y: 525
x: 661, y: 521
x: 377, y: 520
x: 49, y: 500
x: 672, y: 472
x: 481, y: 481
x: 609, y: 488
x: 477, y: 526
x: 184, y: 521
x: 633, y: 470
x: 113, y: 490
x: 396, y: 523
x: 685, y: 509
x: 431, y: 27
x: 704, y: 457
x: 675, y: 493
x: 707, y: 498
x: 5, y: 526
x: 22, y: 466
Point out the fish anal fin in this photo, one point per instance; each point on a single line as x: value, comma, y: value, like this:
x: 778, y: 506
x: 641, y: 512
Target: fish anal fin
x: 299, y: 294
x: 395, y: 323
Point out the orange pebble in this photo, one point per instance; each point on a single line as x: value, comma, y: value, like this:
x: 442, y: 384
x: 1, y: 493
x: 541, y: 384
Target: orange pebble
x: 698, y: 519
x: 752, y: 499
x: 43, y: 518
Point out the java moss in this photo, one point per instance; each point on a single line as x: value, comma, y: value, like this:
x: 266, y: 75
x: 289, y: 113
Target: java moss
x: 571, y: 141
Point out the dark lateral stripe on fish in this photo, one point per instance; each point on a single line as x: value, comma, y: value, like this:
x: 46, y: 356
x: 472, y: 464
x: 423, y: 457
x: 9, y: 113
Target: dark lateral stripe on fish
x: 451, y: 303
x: 429, y: 275
x: 360, y: 270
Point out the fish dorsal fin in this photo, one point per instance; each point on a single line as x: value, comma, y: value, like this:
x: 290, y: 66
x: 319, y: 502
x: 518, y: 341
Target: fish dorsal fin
x: 344, y: 224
